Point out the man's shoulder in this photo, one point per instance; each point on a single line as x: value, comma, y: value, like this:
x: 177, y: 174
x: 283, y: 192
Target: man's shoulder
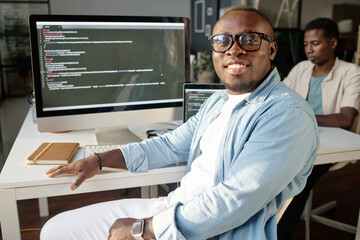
x: 284, y: 95
x: 341, y: 64
x: 303, y: 67
x: 346, y: 72
x: 282, y: 90
x: 283, y: 99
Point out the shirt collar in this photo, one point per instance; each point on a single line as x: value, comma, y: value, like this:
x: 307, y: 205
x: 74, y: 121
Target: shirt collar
x: 330, y: 74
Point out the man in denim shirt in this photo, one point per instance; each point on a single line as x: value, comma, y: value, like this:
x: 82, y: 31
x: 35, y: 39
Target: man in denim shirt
x: 249, y: 149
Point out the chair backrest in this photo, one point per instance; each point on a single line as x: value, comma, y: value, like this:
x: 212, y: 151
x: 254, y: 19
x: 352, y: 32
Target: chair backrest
x: 282, y: 209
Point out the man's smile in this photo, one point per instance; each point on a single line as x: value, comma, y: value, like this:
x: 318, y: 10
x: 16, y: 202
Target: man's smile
x: 236, y: 67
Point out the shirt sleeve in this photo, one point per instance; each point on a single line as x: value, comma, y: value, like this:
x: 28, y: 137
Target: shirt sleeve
x: 170, y: 148
x: 351, y: 97
x: 278, y: 155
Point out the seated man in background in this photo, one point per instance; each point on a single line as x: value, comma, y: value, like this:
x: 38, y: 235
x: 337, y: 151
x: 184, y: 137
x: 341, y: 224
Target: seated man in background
x: 332, y: 88
x: 248, y: 149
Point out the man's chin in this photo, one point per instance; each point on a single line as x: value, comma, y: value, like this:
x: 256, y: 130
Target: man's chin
x: 313, y: 60
x: 240, y: 88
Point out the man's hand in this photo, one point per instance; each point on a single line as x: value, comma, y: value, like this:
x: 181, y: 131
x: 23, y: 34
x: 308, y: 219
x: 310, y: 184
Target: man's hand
x: 121, y: 229
x: 84, y: 168
x: 88, y: 167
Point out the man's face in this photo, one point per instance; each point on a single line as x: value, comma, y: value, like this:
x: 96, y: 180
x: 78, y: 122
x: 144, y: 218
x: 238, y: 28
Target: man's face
x: 243, y: 71
x: 318, y: 48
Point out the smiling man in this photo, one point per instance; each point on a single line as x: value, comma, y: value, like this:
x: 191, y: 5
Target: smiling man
x: 242, y: 74
x: 332, y: 88
x: 248, y: 149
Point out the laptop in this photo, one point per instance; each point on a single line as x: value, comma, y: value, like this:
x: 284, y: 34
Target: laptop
x: 194, y: 94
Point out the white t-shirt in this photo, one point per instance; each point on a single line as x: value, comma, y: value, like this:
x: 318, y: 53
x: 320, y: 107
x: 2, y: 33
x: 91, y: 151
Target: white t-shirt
x: 203, y: 169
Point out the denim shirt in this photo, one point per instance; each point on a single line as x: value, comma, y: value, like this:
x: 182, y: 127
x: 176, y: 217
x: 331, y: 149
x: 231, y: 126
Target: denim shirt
x: 265, y: 157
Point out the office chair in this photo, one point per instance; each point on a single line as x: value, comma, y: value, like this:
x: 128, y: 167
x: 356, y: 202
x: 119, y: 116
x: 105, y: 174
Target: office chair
x: 314, y: 214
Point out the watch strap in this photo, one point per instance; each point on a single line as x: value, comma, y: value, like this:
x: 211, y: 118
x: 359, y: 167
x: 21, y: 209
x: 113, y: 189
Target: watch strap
x: 138, y: 237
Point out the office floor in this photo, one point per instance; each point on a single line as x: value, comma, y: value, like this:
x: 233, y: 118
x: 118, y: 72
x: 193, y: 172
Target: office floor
x: 342, y: 185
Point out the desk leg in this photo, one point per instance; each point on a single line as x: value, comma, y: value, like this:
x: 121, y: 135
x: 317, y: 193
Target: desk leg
x: 9, y: 216
x: 145, y: 192
x: 154, y: 191
x: 43, y: 207
x: 149, y: 191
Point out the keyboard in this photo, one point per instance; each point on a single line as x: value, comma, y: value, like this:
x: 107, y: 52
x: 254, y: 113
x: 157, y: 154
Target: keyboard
x: 91, y: 149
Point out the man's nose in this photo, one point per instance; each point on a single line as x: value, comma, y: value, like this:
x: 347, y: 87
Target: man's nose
x: 309, y: 48
x: 235, y: 49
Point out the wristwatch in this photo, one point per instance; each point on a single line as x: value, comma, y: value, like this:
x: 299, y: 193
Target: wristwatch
x: 138, y: 229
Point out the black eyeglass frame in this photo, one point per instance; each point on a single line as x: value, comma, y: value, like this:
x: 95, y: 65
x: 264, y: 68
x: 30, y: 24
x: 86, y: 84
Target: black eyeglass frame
x: 237, y: 37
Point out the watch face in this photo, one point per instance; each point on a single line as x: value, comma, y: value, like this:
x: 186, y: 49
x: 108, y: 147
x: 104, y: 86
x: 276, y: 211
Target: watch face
x: 137, y: 227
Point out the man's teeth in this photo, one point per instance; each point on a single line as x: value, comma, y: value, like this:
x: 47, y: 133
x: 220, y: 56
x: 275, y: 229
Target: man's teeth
x: 236, y: 66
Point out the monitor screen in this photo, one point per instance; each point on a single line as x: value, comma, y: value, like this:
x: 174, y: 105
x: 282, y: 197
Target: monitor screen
x: 103, y: 71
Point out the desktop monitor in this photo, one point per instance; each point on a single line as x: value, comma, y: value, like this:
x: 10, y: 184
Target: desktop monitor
x: 107, y: 71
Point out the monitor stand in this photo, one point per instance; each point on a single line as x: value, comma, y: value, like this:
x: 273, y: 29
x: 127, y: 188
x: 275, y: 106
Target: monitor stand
x: 115, y: 135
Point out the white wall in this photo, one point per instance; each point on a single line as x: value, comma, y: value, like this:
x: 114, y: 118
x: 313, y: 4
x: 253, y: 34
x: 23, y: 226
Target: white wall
x: 179, y: 8
x: 312, y: 9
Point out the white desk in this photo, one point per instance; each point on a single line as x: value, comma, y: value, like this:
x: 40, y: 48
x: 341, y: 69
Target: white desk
x: 19, y: 181
x: 337, y: 145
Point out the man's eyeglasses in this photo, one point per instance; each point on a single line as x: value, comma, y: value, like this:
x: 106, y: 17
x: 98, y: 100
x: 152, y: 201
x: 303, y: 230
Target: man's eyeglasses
x: 250, y: 41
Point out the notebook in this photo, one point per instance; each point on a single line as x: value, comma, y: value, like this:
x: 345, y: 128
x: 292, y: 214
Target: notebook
x: 194, y: 94
x: 53, y: 153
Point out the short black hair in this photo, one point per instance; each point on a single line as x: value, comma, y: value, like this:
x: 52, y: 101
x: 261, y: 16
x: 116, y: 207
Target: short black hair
x: 328, y: 25
x: 250, y: 9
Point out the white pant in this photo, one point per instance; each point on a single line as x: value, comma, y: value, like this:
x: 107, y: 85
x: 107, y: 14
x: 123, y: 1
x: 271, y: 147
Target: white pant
x: 94, y: 221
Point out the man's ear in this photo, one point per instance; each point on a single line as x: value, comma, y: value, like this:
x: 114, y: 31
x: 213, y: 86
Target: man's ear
x: 273, y: 50
x: 333, y: 43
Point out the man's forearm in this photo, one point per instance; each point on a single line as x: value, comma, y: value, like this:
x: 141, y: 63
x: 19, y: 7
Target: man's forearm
x: 333, y: 120
x: 148, y: 229
x: 344, y: 119
x: 113, y: 158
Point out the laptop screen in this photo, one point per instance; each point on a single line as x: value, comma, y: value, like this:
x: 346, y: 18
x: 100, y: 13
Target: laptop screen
x: 194, y: 96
